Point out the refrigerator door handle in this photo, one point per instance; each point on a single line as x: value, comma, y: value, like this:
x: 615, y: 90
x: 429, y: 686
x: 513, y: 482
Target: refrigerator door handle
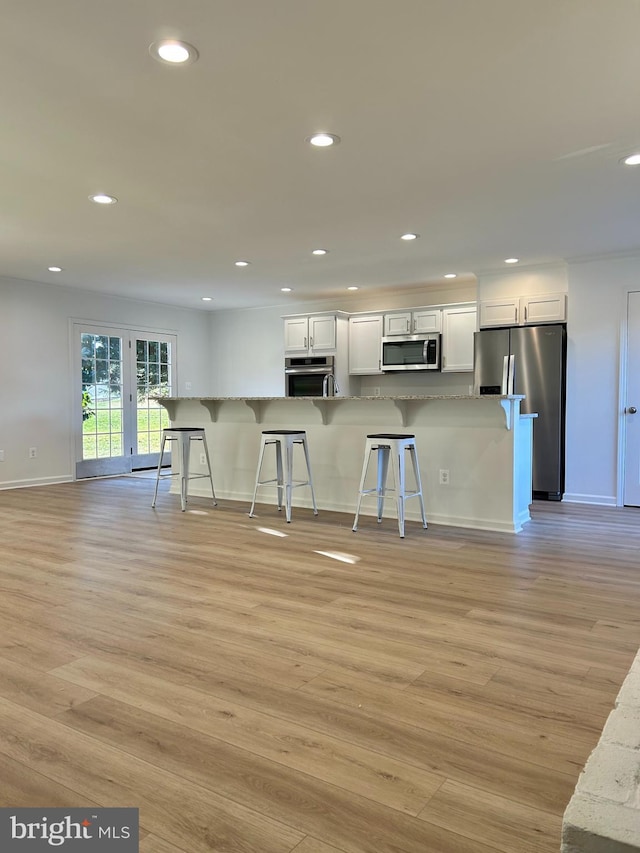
x: 508, y: 370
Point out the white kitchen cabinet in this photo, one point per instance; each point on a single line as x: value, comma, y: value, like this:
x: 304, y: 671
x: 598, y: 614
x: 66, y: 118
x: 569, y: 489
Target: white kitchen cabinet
x: 365, y: 341
x: 523, y: 310
x: 398, y: 323
x: 417, y: 322
x: 427, y: 321
x: 310, y: 335
x: 458, y: 327
x: 545, y: 308
x: 499, y: 312
x: 296, y: 334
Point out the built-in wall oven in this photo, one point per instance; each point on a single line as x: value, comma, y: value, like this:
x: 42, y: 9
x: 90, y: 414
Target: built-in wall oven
x: 411, y: 352
x: 310, y: 376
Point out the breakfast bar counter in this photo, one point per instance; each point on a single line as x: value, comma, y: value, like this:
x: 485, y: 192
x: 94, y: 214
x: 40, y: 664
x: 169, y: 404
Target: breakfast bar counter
x: 482, y: 442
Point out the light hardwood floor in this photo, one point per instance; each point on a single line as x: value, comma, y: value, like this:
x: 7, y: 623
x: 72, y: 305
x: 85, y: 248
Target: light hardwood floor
x: 249, y: 693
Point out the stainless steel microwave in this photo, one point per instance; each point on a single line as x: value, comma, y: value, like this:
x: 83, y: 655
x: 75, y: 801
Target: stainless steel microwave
x: 411, y: 352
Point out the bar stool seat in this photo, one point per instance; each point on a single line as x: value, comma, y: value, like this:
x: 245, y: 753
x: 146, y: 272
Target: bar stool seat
x: 391, y: 447
x: 284, y: 467
x: 184, y: 436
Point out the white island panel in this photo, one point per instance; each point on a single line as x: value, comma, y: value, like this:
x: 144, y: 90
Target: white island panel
x: 483, y: 442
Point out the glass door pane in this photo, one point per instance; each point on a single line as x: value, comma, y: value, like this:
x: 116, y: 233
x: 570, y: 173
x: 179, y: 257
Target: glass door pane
x: 102, y: 403
x: 154, y: 377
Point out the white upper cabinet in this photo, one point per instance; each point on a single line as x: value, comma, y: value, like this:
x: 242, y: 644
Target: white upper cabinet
x: 322, y: 333
x: 310, y: 334
x: 365, y: 342
x: 397, y: 324
x: 499, y: 312
x: 524, y: 310
x: 546, y: 308
x: 296, y: 334
x: 458, y: 327
x: 419, y: 321
x: 427, y: 321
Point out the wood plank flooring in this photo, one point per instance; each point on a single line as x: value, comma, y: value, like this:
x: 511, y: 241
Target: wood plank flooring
x: 252, y: 694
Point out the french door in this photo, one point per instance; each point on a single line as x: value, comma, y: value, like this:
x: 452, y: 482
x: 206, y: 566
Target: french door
x: 119, y: 426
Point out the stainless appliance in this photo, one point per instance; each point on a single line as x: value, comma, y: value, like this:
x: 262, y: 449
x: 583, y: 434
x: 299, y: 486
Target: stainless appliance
x: 411, y: 352
x: 536, y: 365
x: 310, y: 376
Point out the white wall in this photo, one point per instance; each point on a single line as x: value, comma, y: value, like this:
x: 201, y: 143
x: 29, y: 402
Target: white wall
x: 526, y: 282
x: 248, y: 345
x: 36, y: 381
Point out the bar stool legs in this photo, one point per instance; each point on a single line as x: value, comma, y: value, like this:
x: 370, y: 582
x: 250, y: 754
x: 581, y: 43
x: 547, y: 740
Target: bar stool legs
x: 391, y: 448
x: 184, y: 436
x: 284, y: 468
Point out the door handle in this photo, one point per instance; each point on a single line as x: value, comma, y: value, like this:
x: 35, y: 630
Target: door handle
x: 310, y: 342
x: 632, y: 410
x: 305, y: 343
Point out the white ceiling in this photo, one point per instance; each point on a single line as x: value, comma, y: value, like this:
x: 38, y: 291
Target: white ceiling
x: 493, y: 128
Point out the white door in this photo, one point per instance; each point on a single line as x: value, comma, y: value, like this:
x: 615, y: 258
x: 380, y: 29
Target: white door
x: 632, y: 405
x: 118, y: 370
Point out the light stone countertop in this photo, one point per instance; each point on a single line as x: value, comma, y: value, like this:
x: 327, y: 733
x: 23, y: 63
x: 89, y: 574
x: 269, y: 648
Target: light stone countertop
x: 327, y: 405
x: 339, y: 398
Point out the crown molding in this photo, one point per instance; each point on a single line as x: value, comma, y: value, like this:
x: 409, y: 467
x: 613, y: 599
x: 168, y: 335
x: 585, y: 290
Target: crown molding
x: 514, y: 268
x: 605, y: 256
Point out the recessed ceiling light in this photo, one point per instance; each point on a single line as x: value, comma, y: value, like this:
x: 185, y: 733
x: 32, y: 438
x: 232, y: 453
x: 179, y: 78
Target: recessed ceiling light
x: 320, y: 252
x: 207, y: 298
x: 173, y: 52
x: 409, y: 237
x: 285, y: 289
x: 242, y: 263
x: 323, y: 140
x: 54, y: 269
x: 102, y: 198
x: 632, y: 160
x: 353, y: 287
x: 450, y: 275
x: 511, y: 260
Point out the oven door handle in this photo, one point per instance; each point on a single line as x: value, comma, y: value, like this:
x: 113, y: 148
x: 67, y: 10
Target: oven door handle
x: 302, y: 370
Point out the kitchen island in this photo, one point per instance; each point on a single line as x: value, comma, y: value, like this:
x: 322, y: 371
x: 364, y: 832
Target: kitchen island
x: 483, y: 443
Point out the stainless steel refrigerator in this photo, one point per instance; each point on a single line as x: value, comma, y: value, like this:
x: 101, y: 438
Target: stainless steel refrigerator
x: 540, y: 355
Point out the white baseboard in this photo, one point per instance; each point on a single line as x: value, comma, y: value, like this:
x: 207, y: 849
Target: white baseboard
x: 411, y: 514
x: 600, y: 500
x: 36, y: 481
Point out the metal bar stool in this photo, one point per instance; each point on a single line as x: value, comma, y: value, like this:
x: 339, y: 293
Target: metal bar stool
x: 391, y: 447
x: 184, y: 436
x: 284, y: 466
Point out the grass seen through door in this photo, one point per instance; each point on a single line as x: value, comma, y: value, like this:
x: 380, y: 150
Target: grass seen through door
x: 102, y: 431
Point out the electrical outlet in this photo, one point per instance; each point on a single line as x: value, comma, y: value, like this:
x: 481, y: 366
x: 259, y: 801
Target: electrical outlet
x: 1, y: 455
x: 187, y: 386
x: 444, y: 476
x: 203, y: 459
x: 376, y: 392
x: 33, y: 452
